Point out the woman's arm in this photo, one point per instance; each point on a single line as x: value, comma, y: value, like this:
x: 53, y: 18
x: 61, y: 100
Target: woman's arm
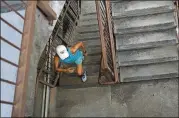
x: 57, y: 61
x: 77, y: 46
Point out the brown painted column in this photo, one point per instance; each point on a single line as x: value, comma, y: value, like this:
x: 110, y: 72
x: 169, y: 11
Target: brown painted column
x: 26, y: 46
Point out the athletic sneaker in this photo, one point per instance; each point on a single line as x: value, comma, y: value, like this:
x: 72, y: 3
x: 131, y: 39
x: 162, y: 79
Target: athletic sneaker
x: 84, y: 77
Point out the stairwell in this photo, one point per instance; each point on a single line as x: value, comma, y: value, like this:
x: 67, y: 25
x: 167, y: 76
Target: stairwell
x: 146, y: 46
x: 146, y: 40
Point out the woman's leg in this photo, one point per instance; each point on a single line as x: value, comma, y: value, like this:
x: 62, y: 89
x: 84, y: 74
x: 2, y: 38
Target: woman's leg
x: 79, y: 69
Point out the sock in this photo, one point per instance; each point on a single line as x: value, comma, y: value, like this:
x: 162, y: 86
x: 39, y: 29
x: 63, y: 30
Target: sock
x: 81, y: 75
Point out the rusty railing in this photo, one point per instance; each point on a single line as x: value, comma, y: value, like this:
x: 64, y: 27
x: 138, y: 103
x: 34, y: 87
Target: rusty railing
x: 108, y: 70
x: 16, y: 36
x: 62, y: 34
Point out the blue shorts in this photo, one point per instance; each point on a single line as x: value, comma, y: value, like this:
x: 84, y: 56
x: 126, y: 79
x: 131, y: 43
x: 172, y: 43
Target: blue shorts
x: 79, y: 60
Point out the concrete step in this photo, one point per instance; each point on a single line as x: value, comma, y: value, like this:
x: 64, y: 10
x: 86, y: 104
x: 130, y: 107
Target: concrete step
x: 86, y: 29
x: 138, y: 8
x: 93, y: 50
x: 75, y: 81
x: 87, y: 36
x: 88, y: 7
x: 95, y: 42
x: 92, y: 70
x: 144, y: 23
x: 149, y: 72
x: 148, y: 56
x: 88, y: 22
x: 116, y: 1
x: 91, y: 42
x: 146, y: 39
x: 92, y: 60
x: 88, y: 16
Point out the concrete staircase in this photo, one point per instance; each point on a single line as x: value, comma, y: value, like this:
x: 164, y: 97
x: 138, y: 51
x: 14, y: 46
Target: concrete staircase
x: 88, y: 32
x: 145, y: 40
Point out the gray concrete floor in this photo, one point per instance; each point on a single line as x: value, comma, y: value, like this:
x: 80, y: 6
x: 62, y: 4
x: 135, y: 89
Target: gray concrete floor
x: 140, y: 99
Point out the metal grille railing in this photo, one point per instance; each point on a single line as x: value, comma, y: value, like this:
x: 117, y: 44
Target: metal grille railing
x: 62, y: 34
x: 17, y: 18
x: 106, y: 29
